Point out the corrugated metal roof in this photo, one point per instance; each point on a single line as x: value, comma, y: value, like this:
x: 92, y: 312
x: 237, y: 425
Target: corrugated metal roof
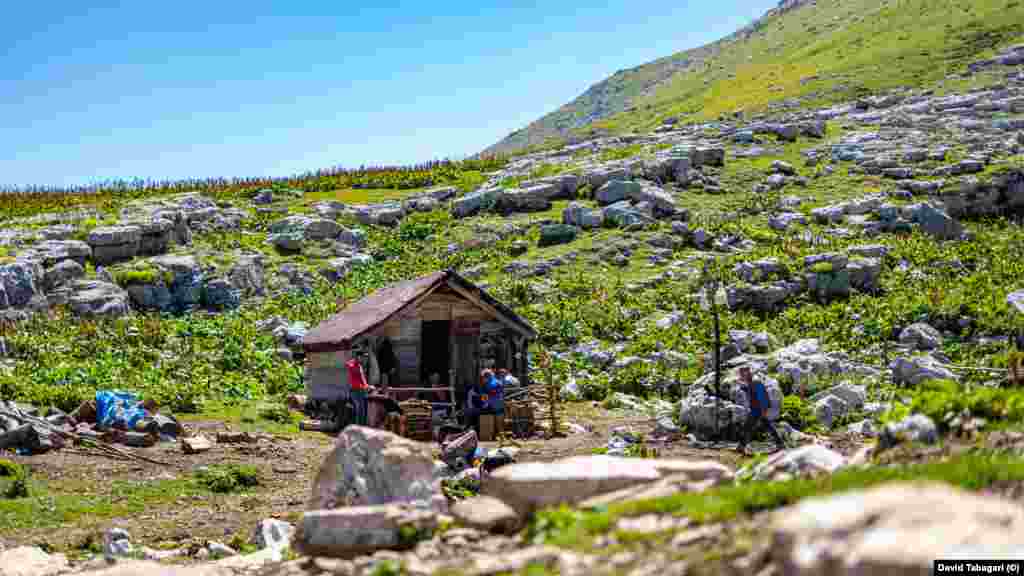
x: 338, y: 331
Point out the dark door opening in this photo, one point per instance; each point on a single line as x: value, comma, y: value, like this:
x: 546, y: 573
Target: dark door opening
x: 436, y: 351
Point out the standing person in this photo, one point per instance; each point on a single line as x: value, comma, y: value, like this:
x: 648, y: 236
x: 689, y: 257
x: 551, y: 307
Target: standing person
x: 759, y: 401
x: 387, y: 362
x: 359, y: 387
x: 474, y: 404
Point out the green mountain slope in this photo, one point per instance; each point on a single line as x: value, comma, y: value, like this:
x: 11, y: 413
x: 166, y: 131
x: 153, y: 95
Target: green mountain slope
x: 803, y: 51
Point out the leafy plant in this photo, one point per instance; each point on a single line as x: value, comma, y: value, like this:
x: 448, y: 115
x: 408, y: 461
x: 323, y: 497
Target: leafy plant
x: 798, y: 413
x: 386, y: 568
x: 228, y: 478
x: 13, y: 479
x: 822, y: 268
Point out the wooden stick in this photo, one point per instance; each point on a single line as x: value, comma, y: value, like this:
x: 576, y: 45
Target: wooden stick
x: 110, y: 448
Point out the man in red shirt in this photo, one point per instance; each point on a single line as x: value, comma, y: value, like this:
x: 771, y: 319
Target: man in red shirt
x: 357, y: 384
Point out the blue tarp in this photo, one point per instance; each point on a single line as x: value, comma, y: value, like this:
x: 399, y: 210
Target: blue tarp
x: 118, y: 409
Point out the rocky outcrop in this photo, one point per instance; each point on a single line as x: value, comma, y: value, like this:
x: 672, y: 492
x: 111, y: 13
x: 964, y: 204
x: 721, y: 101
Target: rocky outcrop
x: 916, y: 369
x: 913, y: 428
x: 528, y: 487
x: 615, y: 191
x: 358, y: 530
x: 488, y: 514
x: 372, y: 467
x: 111, y: 244
x: 576, y: 214
x: 20, y: 284
x: 96, y: 298
x: 52, y: 252
x: 921, y: 336
x: 807, y: 460
x: 476, y: 202
x: 1000, y: 194
x: 893, y: 529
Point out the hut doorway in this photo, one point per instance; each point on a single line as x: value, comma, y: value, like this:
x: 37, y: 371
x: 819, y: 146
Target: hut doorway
x: 436, y: 350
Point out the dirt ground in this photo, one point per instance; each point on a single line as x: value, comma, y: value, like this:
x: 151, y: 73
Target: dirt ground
x: 287, y: 465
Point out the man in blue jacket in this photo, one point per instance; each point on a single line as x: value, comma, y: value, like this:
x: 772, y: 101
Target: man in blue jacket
x: 757, y: 396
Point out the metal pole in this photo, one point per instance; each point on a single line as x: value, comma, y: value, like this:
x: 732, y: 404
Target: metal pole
x: 718, y: 375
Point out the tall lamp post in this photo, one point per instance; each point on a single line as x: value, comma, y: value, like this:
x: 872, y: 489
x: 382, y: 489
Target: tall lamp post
x: 714, y: 296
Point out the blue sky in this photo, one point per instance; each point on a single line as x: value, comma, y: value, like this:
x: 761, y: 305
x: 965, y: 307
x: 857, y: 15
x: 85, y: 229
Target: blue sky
x: 91, y: 91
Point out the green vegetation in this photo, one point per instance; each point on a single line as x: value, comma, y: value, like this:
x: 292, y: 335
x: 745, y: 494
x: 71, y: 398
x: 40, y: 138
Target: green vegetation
x: 822, y: 268
x: 818, y: 54
x: 61, y: 504
x: 227, y: 478
x: 140, y: 275
x: 350, y: 186
x: 576, y: 528
x: 942, y: 399
x: 14, y: 482
x: 387, y: 568
x: 542, y: 171
x: 798, y: 413
x: 621, y: 153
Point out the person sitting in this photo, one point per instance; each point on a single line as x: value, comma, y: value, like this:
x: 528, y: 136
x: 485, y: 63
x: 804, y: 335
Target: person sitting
x: 496, y: 391
x: 480, y: 400
x: 507, y: 379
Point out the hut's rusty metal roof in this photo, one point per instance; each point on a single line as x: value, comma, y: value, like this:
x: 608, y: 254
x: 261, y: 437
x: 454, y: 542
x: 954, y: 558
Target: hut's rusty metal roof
x: 339, y: 331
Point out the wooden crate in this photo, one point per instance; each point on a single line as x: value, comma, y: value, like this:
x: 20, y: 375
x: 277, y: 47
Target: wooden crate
x: 488, y: 427
x: 520, y: 419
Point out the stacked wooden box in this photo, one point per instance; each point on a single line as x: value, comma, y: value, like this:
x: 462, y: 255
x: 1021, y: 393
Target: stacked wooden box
x: 519, y: 418
x: 418, y: 420
x: 542, y: 398
x: 394, y: 423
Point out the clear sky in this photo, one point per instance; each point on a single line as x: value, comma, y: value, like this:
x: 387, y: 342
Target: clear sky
x: 91, y: 91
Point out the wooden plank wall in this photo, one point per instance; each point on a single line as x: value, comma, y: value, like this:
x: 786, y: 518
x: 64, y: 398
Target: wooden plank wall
x: 325, y: 375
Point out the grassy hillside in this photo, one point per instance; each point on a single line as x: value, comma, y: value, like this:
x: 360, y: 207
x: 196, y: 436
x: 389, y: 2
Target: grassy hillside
x: 814, y: 52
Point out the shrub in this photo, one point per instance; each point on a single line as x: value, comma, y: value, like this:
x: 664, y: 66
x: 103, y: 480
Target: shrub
x: 227, y: 478
x: 797, y: 412
x: 415, y: 231
x: 13, y: 480
x: 278, y: 413
x: 936, y: 399
x: 136, y: 276
x: 10, y: 469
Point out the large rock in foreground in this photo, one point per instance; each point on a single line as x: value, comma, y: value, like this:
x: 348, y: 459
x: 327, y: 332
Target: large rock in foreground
x: 359, y: 530
x: 894, y: 529
x: 530, y: 486
x: 31, y: 561
x: 486, y: 513
x: 804, y: 461
x: 369, y: 467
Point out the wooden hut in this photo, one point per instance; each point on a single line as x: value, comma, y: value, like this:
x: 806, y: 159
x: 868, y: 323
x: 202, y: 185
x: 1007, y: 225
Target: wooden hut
x: 437, y: 324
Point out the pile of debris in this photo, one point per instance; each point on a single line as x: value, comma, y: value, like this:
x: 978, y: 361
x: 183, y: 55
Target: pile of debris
x: 112, y: 417
x: 468, y: 464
